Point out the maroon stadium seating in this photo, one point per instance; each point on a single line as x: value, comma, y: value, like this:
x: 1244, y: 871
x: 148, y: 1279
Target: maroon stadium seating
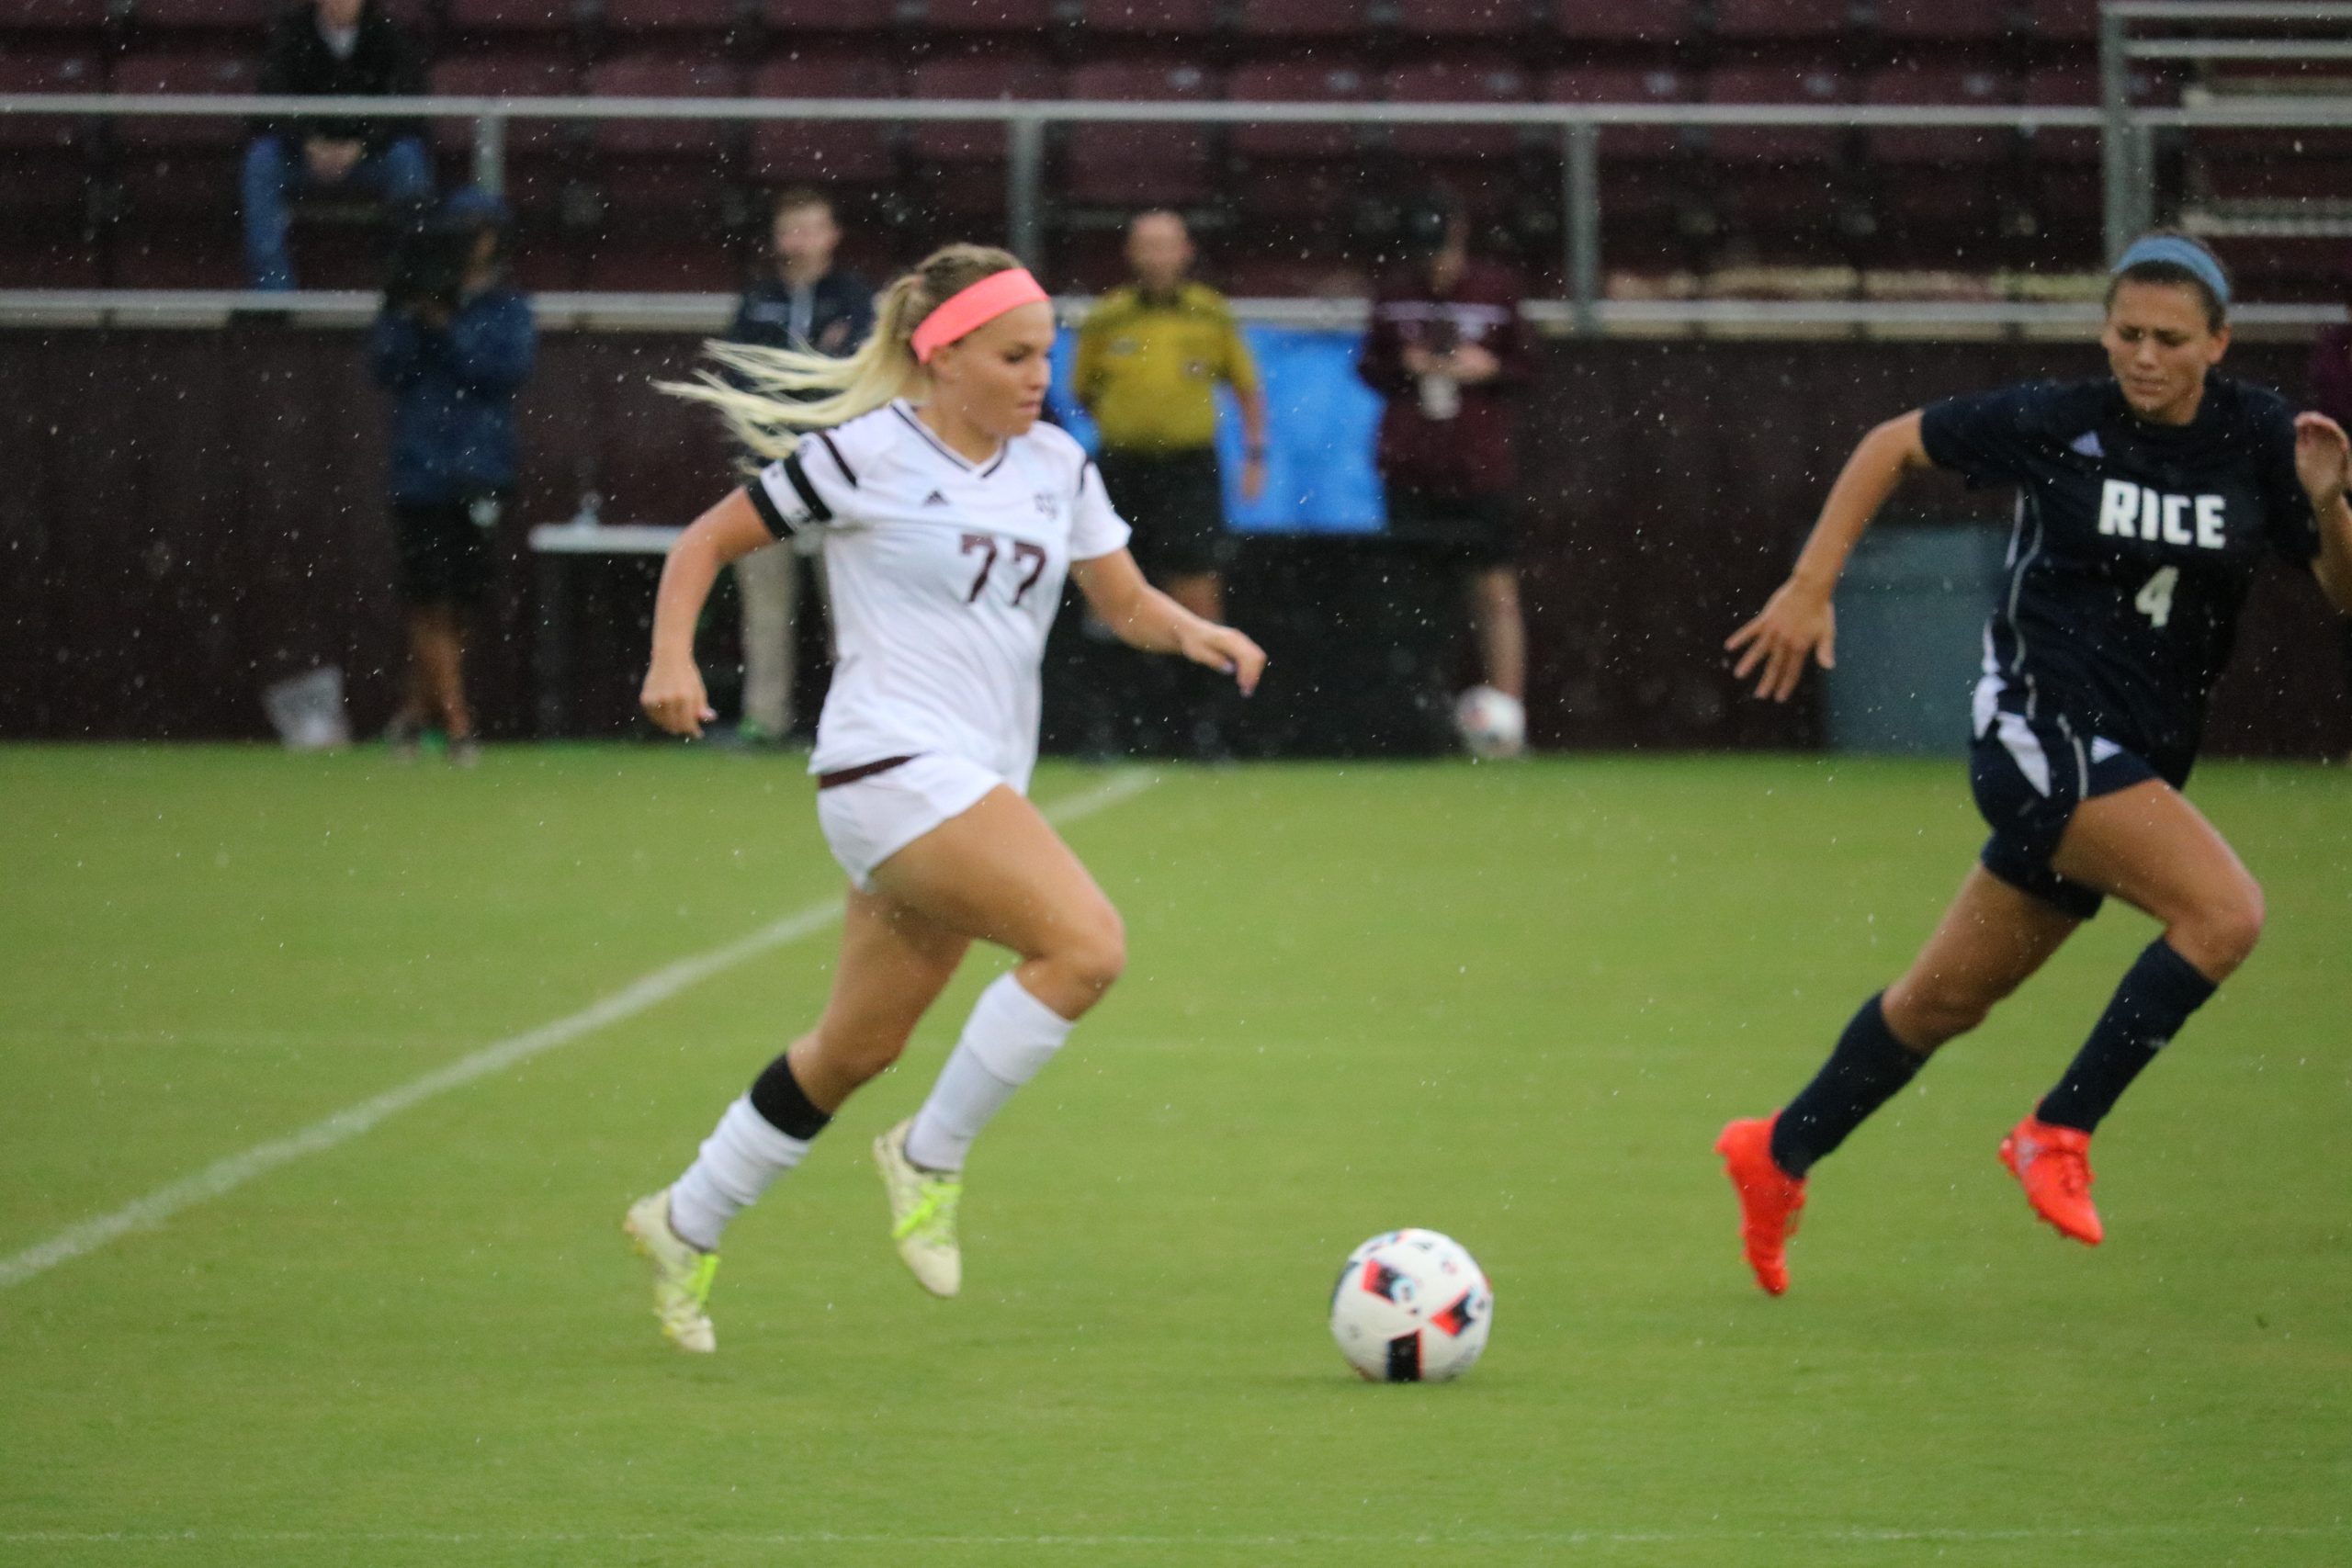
x: 1626, y: 85
x: 999, y: 74
x: 1302, y: 18
x: 538, y: 74
x: 514, y: 15
x: 799, y: 17
x: 1774, y: 84
x: 1141, y: 165
x: 824, y: 152
x: 249, y: 15
x: 1299, y: 81
x: 1944, y: 21
x: 48, y: 71
x: 665, y: 76
x: 1624, y: 22
x: 2075, y: 21
x: 1948, y: 145
x: 184, y: 73
x: 1461, y: 19
x: 1170, y: 21
x: 1492, y: 79
x: 55, y: 15
x: 668, y: 18
x: 1025, y: 17
x: 1781, y: 21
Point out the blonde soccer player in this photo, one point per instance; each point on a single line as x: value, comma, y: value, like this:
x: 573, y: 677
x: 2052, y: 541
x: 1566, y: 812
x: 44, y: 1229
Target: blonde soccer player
x: 948, y: 518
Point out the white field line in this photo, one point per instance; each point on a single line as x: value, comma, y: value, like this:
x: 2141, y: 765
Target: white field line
x: 227, y: 1174
x: 1853, y: 1536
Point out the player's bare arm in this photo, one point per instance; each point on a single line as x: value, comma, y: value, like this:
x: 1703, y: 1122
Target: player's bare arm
x: 2324, y: 463
x: 1144, y: 617
x: 672, y: 696
x: 1798, y: 622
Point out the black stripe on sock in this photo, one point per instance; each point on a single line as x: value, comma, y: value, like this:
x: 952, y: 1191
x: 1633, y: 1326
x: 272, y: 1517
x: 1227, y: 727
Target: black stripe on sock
x: 783, y: 1104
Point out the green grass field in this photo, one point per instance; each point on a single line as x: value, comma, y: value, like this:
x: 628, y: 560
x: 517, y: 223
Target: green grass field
x: 1511, y: 1003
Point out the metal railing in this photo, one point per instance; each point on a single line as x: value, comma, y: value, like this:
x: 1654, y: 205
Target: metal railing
x: 2126, y: 129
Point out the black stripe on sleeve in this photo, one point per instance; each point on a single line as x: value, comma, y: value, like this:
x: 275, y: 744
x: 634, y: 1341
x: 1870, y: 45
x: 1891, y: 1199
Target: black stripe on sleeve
x: 817, y: 511
x: 1081, y: 475
x: 769, y: 518
x: 847, y: 472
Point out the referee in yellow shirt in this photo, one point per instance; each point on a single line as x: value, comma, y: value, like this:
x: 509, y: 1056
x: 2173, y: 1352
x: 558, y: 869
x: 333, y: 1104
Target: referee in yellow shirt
x: 1149, y: 358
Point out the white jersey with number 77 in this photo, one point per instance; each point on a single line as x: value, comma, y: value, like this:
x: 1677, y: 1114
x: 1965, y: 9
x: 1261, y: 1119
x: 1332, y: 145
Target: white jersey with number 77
x: 944, y: 577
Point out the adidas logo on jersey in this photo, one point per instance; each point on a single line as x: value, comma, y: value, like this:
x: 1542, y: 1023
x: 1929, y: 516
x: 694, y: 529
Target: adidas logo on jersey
x: 935, y: 499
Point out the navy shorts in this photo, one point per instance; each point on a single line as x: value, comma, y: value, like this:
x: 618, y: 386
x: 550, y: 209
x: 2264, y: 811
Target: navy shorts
x: 2030, y: 775
x: 443, y: 549
x: 1476, y: 532
x: 1175, y: 504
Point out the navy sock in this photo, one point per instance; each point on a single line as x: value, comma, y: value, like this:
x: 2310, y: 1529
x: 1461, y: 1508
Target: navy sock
x: 1862, y: 1074
x: 783, y: 1104
x: 2158, y: 993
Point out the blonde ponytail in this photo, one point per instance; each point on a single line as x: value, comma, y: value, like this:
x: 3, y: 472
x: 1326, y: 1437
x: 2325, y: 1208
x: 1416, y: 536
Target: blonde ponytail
x: 765, y: 394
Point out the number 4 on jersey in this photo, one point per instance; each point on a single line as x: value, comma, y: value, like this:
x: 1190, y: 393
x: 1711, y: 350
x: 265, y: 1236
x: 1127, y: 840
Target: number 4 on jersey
x: 2156, y: 597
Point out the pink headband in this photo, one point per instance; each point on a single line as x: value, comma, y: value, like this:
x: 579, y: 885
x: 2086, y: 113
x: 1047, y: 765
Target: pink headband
x: 974, y: 307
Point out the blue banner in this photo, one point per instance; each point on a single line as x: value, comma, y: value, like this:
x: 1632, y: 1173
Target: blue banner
x: 1320, y: 424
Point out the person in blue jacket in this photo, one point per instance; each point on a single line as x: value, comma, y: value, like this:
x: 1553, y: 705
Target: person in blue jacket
x: 453, y: 345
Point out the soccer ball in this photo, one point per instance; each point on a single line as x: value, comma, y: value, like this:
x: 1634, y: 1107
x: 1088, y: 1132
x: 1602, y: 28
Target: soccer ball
x: 1493, y: 724
x: 1411, y: 1306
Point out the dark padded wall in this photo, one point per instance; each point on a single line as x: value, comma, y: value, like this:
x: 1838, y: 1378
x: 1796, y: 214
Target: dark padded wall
x: 187, y: 515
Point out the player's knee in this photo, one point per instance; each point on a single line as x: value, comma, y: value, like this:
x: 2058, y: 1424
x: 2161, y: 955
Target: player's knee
x: 1094, y: 952
x: 2225, y: 930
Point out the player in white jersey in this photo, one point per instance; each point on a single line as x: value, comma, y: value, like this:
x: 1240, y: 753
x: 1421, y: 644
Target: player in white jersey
x: 948, y: 518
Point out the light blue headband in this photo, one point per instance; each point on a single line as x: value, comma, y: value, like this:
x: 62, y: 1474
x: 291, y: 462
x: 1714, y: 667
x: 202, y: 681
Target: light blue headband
x: 2179, y: 252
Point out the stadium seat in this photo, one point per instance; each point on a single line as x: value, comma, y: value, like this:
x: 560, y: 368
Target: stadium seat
x: 1946, y: 145
x: 518, y: 75
x: 1456, y: 19
x: 175, y: 73
x: 2065, y: 21
x: 45, y: 167
x: 1129, y: 164
x: 1626, y: 85
x: 1031, y: 19
x: 798, y: 18
x: 55, y: 15
x: 1173, y: 21
x: 514, y: 15
x: 49, y: 71
x: 1781, y: 21
x: 824, y: 152
x: 1624, y: 22
x: 1774, y: 144
x: 663, y: 76
x: 203, y: 16
x: 667, y: 21
x: 1487, y: 79
x: 998, y: 73
x: 1943, y: 21
x: 1297, y: 81
x: 1303, y: 19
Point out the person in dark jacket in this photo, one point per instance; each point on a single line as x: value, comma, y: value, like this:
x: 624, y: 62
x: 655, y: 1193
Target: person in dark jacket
x: 453, y: 345
x: 800, y: 300
x: 331, y: 49
x: 1444, y: 349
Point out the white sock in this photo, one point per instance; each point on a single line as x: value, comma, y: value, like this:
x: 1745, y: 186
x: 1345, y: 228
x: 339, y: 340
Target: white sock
x: 743, y: 1154
x: 1009, y: 1035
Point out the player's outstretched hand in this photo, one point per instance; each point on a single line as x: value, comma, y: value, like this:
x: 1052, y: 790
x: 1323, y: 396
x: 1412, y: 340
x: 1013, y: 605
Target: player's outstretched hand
x: 1796, y: 622
x: 1222, y: 647
x: 674, y: 698
x: 2323, y: 458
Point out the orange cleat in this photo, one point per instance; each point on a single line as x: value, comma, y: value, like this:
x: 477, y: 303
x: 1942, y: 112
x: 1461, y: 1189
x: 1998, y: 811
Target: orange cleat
x: 2053, y: 1164
x: 1770, y: 1198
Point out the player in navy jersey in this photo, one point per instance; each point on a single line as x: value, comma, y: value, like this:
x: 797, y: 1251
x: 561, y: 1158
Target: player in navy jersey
x: 2146, y: 501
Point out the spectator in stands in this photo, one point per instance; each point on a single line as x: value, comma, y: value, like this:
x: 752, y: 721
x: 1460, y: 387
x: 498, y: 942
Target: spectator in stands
x: 1150, y: 357
x: 1444, y: 349
x: 801, y: 301
x: 453, y: 345
x: 331, y: 49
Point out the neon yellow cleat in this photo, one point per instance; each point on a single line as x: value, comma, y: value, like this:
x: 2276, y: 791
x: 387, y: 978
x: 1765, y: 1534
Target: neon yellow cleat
x: 681, y: 1274
x: 922, y: 1213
